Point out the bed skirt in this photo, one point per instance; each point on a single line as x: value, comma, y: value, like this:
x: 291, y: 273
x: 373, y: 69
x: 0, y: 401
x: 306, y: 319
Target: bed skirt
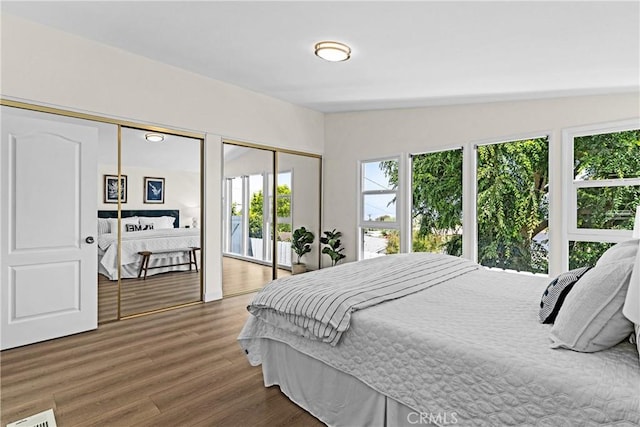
x: 335, y: 398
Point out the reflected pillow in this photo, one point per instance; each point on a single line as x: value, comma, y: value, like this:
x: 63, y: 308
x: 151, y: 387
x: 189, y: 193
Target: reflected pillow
x: 103, y: 226
x: 158, y: 222
x: 132, y: 227
x: 591, y: 317
x: 113, y: 223
x: 556, y: 292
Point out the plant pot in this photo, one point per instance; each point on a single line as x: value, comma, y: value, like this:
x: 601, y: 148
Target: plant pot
x: 298, y: 268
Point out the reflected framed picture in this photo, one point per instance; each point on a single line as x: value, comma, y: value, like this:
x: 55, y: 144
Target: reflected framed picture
x: 153, y: 190
x: 111, y: 188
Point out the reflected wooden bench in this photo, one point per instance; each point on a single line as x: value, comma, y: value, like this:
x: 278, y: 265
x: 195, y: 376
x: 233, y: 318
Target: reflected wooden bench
x: 146, y: 256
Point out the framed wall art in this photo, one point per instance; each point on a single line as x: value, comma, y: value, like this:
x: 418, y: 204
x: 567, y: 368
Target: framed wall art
x: 153, y: 190
x: 111, y: 188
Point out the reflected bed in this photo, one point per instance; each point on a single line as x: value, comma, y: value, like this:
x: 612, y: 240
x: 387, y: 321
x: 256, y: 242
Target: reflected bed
x: 144, y: 230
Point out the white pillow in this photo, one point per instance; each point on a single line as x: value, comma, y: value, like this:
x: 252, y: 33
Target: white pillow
x: 622, y: 250
x: 113, y: 223
x: 636, y: 338
x: 159, y: 222
x: 103, y: 226
x: 631, y: 309
x: 591, y: 317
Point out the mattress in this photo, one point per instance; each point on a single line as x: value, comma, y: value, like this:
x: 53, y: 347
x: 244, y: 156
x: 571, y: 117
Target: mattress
x: 473, y: 346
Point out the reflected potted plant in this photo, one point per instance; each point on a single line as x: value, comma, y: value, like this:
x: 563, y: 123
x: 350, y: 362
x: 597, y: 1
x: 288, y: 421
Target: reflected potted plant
x: 333, y: 249
x: 301, y: 241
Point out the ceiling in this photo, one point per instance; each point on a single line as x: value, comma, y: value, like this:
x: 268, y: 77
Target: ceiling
x: 405, y: 54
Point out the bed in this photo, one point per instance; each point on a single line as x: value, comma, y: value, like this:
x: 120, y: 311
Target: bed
x: 465, y: 349
x: 156, y: 231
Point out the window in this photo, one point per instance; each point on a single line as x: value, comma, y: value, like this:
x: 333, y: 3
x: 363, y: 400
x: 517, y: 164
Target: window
x: 436, y: 208
x: 507, y: 225
x: 378, y: 217
x: 258, y: 222
x: 284, y: 218
x: 512, y: 205
x: 603, y: 187
x: 249, y: 228
x: 236, y: 239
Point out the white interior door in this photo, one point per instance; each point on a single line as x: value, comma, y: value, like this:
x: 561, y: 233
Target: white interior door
x: 48, y: 169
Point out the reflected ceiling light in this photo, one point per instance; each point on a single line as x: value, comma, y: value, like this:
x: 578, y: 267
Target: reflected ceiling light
x: 154, y: 137
x: 333, y: 51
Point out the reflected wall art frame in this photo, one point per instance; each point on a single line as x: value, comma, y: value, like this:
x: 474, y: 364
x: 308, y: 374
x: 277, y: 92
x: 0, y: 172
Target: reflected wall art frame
x: 111, y: 188
x: 153, y: 190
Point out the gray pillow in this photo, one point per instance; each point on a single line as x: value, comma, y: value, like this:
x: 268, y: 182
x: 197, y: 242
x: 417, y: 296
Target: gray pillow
x: 591, y: 317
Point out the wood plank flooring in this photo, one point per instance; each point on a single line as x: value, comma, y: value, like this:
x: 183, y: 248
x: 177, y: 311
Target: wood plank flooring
x: 176, y: 368
x: 138, y: 295
x: 175, y: 288
x: 240, y: 277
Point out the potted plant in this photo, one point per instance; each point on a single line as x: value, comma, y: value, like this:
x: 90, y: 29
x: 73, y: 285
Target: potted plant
x: 301, y: 241
x: 333, y: 249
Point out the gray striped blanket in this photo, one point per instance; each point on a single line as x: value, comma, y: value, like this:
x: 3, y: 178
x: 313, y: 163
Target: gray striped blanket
x: 319, y: 304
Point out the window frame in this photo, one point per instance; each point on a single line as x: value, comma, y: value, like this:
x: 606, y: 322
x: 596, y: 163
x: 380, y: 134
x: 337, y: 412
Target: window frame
x: 571, y: 187
x: 399, y: 208
x: 473, y: 241
x: 408, y: 233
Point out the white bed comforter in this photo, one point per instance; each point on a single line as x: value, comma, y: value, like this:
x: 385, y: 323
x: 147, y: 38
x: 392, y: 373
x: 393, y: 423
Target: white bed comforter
x: 473, y: 346
x: 319, y: 304
x: 148, y: 240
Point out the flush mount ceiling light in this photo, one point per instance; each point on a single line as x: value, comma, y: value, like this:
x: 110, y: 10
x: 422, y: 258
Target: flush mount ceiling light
x: 154, y: 137
x: 333, y: 51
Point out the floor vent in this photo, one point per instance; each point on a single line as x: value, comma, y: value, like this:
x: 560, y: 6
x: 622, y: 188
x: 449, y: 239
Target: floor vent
x: 43, y: 419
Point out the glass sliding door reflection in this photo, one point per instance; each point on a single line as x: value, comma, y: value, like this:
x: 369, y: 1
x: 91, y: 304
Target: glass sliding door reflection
x: 247, y: 247
x: 236, y: 240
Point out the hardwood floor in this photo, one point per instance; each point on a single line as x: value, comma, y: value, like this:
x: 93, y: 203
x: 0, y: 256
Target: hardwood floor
x: 175, y: 288
x: 138, y: 295
x: 240, y: 277
x: 176, y: 368
x: 107, y: 299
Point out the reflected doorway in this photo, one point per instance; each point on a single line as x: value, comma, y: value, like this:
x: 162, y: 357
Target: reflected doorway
x: 256, y: 233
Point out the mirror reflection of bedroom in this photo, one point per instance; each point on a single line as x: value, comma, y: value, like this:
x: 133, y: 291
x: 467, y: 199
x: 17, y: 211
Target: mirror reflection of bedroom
x: 155, y: 261
x: 250, y: 258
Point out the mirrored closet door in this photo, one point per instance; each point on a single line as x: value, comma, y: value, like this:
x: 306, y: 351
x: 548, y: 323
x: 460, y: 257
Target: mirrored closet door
x: 154, y: 256
x: 257, y: 237
x: 299, y: 206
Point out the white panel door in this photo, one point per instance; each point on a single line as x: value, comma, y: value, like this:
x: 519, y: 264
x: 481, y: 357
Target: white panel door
x: 48, y: 170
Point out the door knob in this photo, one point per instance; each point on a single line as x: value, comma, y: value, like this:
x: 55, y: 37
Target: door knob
x: 89, y: 240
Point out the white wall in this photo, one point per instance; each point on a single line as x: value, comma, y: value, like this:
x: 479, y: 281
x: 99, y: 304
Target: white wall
x: 368, y: 135
x: 46, y: 66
